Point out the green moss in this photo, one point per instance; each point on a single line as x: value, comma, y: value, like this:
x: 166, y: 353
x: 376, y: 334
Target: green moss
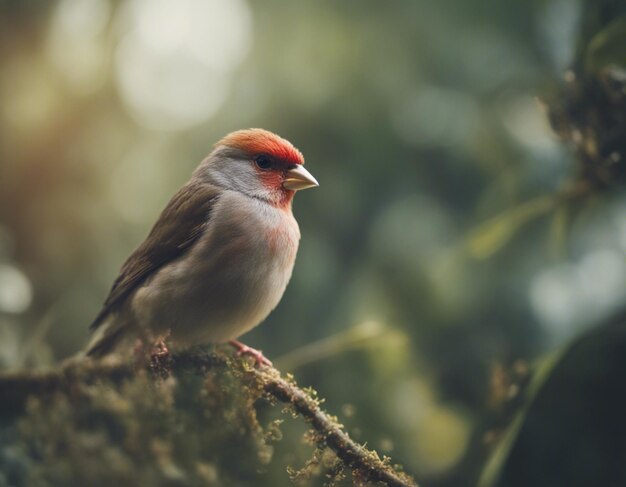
x: 183, y: 431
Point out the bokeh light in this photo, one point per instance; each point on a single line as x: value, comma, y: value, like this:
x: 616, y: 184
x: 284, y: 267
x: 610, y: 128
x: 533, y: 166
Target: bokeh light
x: 15, y: 290
x: 77, y: 43
x: 175, y: 61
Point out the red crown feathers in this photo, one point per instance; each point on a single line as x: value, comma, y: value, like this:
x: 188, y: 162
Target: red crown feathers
x: 259, y: 141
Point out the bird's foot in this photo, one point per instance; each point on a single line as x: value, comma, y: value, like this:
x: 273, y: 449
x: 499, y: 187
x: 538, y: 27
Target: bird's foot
x: 257, y: 355
x: 160, y: 358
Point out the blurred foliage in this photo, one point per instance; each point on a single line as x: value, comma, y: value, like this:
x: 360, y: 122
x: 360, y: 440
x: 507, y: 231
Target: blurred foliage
x: 571, y: 431
x: 493, y: 234
x: 419, y: 119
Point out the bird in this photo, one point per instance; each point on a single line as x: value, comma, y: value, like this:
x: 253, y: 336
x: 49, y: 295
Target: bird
x: 219, y: 257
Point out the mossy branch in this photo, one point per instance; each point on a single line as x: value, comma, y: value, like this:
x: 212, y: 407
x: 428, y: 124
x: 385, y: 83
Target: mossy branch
x: 17, y: 387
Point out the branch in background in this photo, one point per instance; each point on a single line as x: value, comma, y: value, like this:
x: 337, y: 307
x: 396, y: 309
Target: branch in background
x: 16, y: 387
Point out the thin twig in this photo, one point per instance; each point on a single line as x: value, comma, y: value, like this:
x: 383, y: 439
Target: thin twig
x: 365, y: 462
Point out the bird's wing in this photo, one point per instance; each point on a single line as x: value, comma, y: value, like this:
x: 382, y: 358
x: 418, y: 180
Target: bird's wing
x: 178, y: 227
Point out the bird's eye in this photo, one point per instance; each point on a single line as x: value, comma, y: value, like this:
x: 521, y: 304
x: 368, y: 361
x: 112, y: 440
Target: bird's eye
x: 264, y: 162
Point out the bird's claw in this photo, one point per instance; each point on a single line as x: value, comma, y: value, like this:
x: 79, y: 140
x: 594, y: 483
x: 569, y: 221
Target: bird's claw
x: 257, y: 355
x: 160, y: 358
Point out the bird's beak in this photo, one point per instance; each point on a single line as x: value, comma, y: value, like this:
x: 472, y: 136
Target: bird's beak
x: 299, y: 178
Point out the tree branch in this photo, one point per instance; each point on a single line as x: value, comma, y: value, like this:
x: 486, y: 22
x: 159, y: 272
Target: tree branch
x: 16, y: 387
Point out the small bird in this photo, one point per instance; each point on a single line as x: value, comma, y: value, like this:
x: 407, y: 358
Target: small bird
x: 218, y: 259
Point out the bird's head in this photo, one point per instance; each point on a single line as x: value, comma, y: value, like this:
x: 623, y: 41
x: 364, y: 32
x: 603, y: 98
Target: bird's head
x: 259, y: 164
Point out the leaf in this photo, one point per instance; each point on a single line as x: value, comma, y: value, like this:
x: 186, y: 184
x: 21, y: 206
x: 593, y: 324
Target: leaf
x: 492, y: 235
x: 572, y: 431
x: 494, y: 466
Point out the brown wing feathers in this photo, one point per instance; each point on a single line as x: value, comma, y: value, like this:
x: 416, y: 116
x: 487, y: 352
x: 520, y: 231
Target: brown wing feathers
x: 178, y: 227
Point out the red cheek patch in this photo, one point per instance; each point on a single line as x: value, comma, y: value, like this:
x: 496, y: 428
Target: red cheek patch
x: 271, y: 179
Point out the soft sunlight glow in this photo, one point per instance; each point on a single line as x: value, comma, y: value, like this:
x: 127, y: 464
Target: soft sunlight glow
x: 568, y: 297
x: 554, y: 294
x: 216, y: 33
x: 33, y: 104
x: 175, y: 62
x: 15, y: 290
x: 76, y: 44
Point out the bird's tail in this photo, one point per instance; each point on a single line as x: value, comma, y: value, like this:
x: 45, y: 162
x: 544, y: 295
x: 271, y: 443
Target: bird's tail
x: 104, y: 340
